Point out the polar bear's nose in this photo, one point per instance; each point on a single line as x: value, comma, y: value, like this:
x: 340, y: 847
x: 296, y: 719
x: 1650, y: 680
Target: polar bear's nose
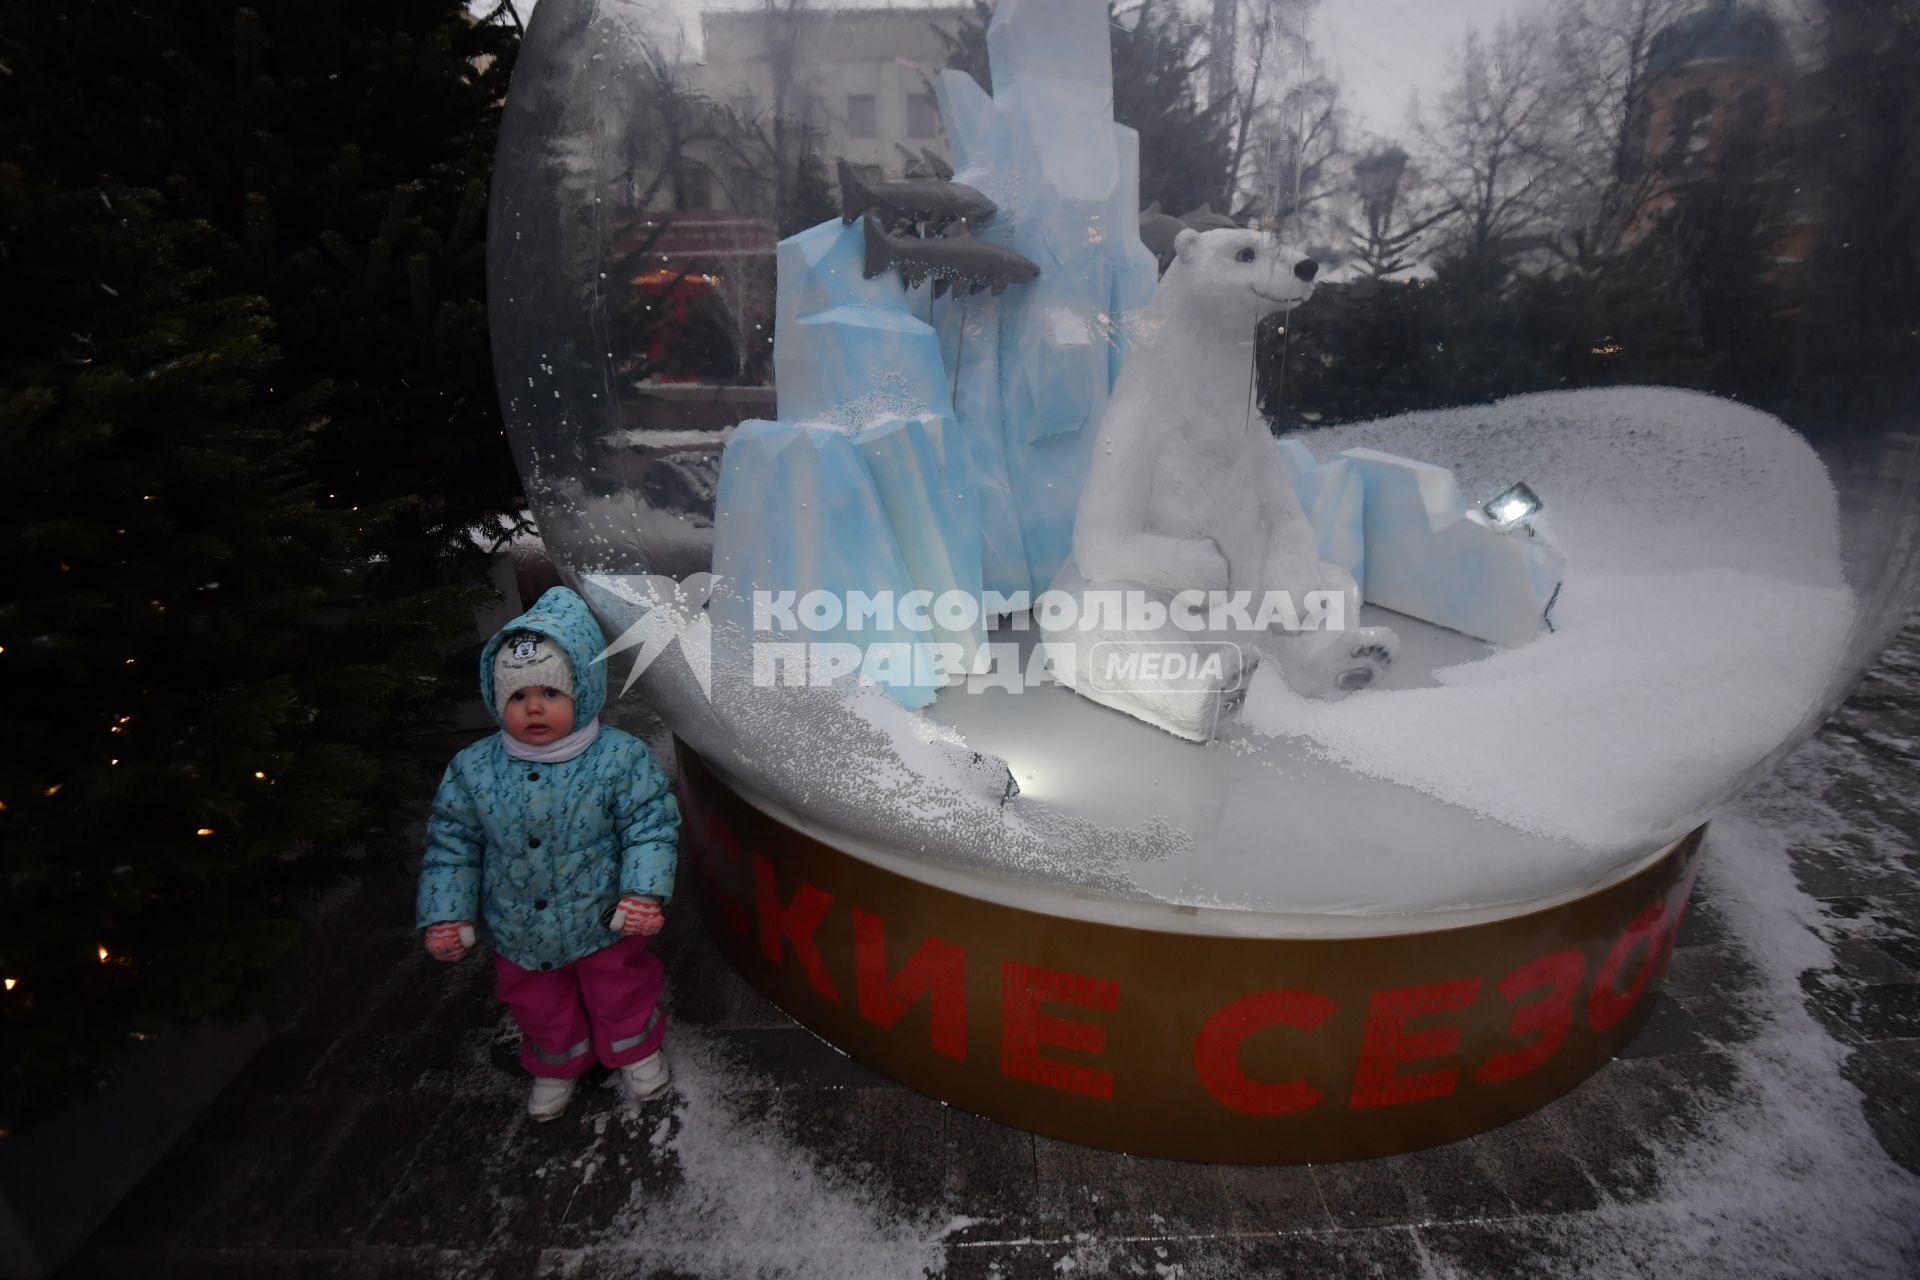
x: 1305, y: 268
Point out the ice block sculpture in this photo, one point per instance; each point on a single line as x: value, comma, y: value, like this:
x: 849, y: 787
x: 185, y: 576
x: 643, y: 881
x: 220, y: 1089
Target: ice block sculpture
x: 843, y: 343
x: 1431, y: 556
x: 857, y: 486
x: 1334, y: 499
x: 810, y: 485
x: 1034, y: 366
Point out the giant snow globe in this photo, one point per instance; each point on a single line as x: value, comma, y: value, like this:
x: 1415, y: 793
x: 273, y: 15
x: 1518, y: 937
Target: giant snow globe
x: 1204, y: 608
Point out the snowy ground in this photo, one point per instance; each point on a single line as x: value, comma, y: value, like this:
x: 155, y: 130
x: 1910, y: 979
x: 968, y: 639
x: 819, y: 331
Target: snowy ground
x: 1767, y: 1122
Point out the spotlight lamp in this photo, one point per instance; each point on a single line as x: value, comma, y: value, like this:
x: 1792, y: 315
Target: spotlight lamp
x: 1513, y: 508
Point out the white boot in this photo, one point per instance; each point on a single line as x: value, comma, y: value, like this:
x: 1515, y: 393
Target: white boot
x: 646, y: 1078
x: 549, y: 1097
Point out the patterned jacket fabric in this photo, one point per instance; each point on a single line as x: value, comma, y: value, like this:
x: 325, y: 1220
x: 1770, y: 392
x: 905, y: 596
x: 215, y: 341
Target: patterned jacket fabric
x: 539, y: 854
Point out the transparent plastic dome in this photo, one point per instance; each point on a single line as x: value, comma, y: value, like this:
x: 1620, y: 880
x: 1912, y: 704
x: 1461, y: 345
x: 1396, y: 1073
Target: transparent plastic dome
x: 841, y: 299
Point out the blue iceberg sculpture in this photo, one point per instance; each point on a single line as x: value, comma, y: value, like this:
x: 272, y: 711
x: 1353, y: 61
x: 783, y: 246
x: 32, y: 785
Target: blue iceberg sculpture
x: 857, y: 487
x: 1033, y: 367
x: 941, y: 444
x: 1333, y: 498
x: 1431, y: 556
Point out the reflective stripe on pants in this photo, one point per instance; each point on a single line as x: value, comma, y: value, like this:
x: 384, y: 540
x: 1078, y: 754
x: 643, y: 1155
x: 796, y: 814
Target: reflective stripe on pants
x: 604, y: 1006
x: 557, y: 1059
x: 631, y: 1042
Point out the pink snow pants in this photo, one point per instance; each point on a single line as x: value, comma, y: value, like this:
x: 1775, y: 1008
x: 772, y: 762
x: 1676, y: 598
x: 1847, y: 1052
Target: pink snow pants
x: 605, y: 1006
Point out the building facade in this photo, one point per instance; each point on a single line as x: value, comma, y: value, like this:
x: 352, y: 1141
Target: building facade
x: 1718, y: 108
x: 858, y: 81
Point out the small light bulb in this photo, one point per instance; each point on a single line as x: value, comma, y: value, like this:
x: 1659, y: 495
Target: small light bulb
x: 103, y: 955
x: 258, y: 774
x: 204, y: 831
x: 10, y: 984
x: 1513, y: 507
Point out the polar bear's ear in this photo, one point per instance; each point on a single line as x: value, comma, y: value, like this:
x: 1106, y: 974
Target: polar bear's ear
x: 1187, y: 243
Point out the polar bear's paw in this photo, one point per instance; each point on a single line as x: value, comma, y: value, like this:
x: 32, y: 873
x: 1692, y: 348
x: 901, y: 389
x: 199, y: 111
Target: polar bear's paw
x: 1333, y: 664
x: 1370, y: 662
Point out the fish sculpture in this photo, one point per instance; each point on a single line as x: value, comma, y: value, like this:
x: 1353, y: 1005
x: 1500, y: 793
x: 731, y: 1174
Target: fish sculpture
x: 956, y: 259
x: 921, y: 199
x: 1157, y: 230
x: 925, y: 163
x: 1205, y: 219
x: 936, y: 166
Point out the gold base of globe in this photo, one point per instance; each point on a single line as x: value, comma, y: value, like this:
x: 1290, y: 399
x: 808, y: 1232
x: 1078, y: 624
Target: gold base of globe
x: 1172, y: 1042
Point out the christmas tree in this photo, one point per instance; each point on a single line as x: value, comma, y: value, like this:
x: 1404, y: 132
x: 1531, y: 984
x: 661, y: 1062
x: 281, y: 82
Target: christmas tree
x: 249, y: 420
x: 206, y: 716
x: 339, y: 153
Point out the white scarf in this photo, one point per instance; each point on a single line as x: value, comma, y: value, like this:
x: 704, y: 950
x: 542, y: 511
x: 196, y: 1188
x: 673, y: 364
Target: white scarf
x: 554, y: 752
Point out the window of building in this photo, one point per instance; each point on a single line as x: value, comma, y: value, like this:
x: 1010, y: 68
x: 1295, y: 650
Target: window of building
x: 693, y: 187
x: 1690, y: 130
x: 863, y: 116
x: 923, y: 116
x: 1750, y: 117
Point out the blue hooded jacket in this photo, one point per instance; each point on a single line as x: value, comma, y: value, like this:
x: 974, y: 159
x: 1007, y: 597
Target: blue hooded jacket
x: 539, y: 854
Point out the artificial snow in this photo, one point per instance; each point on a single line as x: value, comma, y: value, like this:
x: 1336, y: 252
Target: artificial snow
x: 1703, y: 622
x: 1705, y: 625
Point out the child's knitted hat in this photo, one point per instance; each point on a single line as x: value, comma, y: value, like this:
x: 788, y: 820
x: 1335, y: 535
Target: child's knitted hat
x: 529, y: 660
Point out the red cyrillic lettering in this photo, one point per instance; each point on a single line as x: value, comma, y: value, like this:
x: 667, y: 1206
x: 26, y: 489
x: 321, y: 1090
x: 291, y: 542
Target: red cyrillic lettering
x: 1559, y: 975
x: 1608, y: 1003
x: 938, y: 968
x: 1216, y: 1051
x: 794, y: 922
x: 1023, y: 1028
x: 719, y: 836
x: 1386, y: 1045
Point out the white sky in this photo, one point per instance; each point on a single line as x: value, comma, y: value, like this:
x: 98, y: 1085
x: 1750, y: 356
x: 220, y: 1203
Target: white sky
x: 1384, y: 50
x: 1381, y: 50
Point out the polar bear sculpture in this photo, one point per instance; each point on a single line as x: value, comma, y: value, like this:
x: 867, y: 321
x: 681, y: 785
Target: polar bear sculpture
x: 1187, y: 491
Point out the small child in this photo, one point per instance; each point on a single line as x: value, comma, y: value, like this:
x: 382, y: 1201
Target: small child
x: 558, y: 837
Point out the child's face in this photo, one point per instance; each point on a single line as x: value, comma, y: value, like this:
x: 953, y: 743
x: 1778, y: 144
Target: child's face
x: 538, y: 716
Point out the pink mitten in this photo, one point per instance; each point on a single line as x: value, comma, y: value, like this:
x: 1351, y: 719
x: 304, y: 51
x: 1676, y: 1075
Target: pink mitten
x: 637, y: 917
x: 450, y: 940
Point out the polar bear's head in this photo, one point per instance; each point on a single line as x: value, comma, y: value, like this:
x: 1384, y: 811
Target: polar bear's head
x: 1237, y: 276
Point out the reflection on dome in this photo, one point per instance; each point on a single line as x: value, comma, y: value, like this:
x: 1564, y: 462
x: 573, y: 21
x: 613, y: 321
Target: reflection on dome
x: 760, y: 310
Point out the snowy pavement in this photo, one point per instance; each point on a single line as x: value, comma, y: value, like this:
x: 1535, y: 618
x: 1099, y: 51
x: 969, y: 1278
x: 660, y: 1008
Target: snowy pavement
x: 1766, y: 1122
